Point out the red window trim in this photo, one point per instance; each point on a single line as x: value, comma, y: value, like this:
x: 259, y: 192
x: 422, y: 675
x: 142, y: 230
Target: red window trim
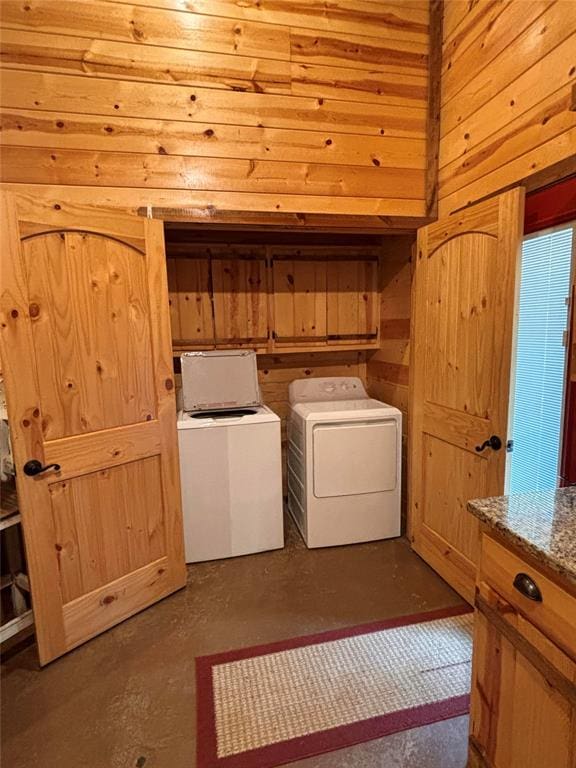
x: 550, y: 206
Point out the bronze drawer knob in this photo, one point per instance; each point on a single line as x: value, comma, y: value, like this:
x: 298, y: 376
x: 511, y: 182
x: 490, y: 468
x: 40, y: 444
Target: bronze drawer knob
x: 527, y: 587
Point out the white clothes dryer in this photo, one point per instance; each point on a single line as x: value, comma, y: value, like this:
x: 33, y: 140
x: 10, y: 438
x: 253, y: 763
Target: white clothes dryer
x: 344, y: 462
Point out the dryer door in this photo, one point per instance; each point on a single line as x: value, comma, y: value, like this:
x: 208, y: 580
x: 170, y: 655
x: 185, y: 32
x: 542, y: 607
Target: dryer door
x: 355, y: 458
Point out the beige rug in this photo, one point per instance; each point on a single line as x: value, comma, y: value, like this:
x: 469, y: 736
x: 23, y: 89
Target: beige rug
x: 272, y: 704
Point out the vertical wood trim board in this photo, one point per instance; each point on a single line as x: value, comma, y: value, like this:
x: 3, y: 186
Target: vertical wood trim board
x: 434, y: 100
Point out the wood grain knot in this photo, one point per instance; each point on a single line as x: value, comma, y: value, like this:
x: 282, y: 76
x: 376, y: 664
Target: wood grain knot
x: 34, y: 310
x: 108, y: 599
x: 169, y: 384
x: 14, y: 313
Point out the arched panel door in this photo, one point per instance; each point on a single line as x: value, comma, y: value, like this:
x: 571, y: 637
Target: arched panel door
x: 461, y: 336
x: 86, y: 356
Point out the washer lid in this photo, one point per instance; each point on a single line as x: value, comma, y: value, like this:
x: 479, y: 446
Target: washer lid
x: 219, y: 379
x: 260, y: 414
x: 328, y: 388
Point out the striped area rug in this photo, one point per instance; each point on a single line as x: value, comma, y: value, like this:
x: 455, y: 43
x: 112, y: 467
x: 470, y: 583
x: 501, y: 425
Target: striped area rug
x: 268, y: 705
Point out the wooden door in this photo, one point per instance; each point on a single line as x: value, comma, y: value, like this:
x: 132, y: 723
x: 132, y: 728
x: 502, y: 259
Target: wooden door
x: 352, y: 300
x: 299, y: 301
x: 461, y: 336
x: 86, y: 351
x: 240, y: 302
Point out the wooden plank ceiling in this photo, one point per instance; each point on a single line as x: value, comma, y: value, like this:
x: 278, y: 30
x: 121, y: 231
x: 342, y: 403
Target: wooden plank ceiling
x: 269, y: 106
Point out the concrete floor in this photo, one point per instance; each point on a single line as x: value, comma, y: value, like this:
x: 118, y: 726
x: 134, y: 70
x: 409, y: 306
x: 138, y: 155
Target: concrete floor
x: 127, y: 698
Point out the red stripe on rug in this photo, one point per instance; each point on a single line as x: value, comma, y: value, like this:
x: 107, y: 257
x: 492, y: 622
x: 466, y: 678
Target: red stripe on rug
x: 324, y: 741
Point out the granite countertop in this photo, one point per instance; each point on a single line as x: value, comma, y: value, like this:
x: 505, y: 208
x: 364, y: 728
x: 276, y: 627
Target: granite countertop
x: 541, y: 523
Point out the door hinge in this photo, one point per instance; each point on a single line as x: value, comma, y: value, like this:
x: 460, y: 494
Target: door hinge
x: 509, y: 446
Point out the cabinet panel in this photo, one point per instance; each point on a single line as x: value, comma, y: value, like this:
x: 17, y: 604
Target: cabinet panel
x: 191, y: 305
x: 352, y: 305
x: 300, y: 301
x: 91, y: 363
x: 518, y: 720
x: 240, y: 301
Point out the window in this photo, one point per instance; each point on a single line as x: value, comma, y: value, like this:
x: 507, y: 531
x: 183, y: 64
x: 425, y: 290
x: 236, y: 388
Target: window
x: 540, y: 359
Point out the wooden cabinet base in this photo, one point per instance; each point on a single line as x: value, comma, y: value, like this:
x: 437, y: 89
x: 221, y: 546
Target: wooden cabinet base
x: 523, y: 698
x: 475, y: 757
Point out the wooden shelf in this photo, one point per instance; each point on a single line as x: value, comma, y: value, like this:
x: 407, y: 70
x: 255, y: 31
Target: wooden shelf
x: 288, y: 350
x: 16, y: 625
x: 9, y: 521
x: 9, y: 503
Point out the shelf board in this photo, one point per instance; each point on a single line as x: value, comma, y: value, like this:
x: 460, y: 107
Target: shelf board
x: 16, y: 625
x: 8, y: 522
x: 279, y: 349
x: 9, y: 503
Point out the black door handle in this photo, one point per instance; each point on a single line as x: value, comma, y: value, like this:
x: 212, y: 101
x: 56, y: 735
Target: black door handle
x: 493, y: 442
x: 35, y: 467
x: 527, y: 587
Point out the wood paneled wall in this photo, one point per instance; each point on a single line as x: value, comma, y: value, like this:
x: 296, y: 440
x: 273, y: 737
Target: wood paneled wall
x: 508, y: 75
x: 387, y: 370
x: 271, y: 106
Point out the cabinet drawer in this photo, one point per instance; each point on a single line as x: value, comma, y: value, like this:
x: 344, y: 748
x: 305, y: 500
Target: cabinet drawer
x: 554, y: 614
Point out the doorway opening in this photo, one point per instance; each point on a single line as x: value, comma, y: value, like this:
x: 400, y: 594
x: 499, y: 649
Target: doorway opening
x: 540, y: 360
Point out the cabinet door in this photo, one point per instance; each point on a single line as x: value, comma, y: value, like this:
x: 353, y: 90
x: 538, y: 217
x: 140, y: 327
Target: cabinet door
x: 352, y: 301
x: 240, y: 302
x: 190, y: 303
x: 87, y: 362
x: 523, y: 711
x: 299, y: 301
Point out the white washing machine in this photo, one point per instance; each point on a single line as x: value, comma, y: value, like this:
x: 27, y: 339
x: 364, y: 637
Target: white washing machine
x: 230, y: 458
x: 344, y: 462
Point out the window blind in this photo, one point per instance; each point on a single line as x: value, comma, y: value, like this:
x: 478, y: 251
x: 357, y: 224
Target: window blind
x: 540, y: 360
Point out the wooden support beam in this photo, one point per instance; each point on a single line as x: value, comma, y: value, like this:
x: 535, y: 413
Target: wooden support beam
x: 433, y: 130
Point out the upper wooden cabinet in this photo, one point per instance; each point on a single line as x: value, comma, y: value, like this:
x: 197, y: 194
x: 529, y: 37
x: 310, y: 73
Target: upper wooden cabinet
x: 190, y: 305
x: 299, y: 298
x: 352, y: 305
x: 239, y: 296
x: 279, y: 300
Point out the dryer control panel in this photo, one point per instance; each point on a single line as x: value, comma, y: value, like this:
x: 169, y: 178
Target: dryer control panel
x: 328, y: 388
